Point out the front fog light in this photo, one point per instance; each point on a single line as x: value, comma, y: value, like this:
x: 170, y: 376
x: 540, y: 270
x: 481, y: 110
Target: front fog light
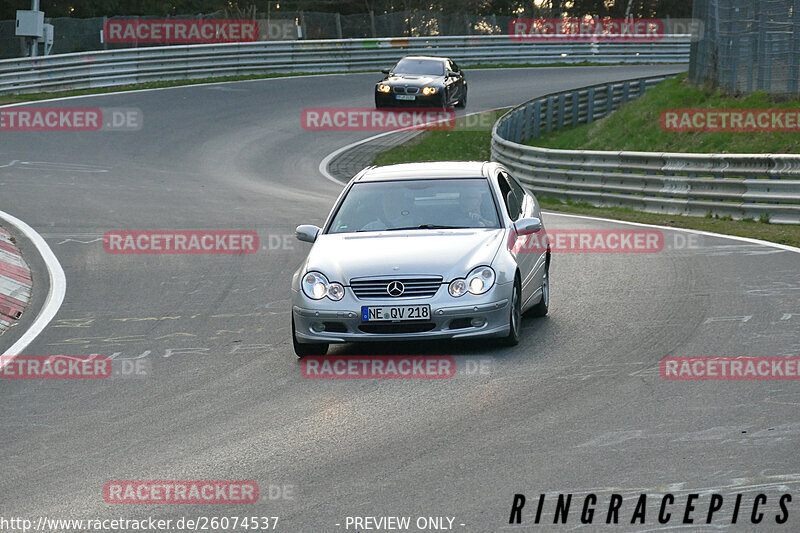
x: 458, y: 287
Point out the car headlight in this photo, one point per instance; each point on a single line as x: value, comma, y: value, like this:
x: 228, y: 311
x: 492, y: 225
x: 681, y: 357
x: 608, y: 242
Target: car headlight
x: 316, y: 286
x: 384, y: 88
x: 429, y: 90
x: 478, y: 281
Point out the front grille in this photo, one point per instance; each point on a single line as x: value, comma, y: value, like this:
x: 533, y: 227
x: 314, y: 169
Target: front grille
x: 412, y: 287
x: 388, y: 329
x: 406, y: 90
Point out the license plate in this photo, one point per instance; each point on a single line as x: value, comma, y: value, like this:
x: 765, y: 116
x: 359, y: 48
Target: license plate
x: 405, y: 96
x: 395, y: 312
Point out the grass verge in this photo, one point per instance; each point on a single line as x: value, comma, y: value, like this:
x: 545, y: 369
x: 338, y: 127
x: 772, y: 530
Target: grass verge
x: 474, y: 144
x: 614, y: 132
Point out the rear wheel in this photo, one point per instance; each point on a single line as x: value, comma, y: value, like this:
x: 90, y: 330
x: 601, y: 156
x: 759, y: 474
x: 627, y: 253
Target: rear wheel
x: 515, y: 316
x: 302, y: 350
x: 540, y: 309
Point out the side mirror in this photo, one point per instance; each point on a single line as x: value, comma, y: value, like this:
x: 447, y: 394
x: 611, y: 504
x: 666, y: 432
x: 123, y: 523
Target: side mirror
x: 306, y: 232
x: 451, y: 74
x: 528, y: 225
x: 385, y: 70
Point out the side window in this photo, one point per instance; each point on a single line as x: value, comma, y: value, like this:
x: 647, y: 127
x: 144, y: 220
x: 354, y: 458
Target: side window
x: 510, y: 198
x: 518, y: 191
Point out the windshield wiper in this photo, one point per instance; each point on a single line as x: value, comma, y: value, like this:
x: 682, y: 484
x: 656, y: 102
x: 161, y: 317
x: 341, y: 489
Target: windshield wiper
x: 426, y: 226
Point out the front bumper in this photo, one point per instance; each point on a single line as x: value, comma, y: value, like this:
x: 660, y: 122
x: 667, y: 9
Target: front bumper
x: 420, y: 100
x: 325, y: 321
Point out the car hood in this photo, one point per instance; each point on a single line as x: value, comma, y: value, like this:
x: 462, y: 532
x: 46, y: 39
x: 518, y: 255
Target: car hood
x: 447, y: 253
x: 415, y: 80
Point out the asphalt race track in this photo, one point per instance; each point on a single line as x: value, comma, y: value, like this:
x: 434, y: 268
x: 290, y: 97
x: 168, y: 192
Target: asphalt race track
x: 578, y: 407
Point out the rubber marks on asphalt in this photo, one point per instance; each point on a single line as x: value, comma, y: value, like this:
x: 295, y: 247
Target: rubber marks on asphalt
x: 15, y: 281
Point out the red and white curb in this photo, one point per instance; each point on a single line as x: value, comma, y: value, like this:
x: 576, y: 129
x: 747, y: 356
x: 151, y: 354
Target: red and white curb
x: 15, y: 282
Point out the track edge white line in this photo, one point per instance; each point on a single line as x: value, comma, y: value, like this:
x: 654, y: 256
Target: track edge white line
x: 55, y: 294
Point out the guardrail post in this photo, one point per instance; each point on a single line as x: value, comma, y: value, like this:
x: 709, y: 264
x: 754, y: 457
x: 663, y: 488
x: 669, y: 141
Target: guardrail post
x: 642, y: 87
x: 575, y: 108
x: 562, y: 104
x: 590, y: 106
x: 519, y: 123
x: 610, y: 99
x: 626, y: 91
x: 537, y: 117
x: 548, y: 125
x: 529, y: 114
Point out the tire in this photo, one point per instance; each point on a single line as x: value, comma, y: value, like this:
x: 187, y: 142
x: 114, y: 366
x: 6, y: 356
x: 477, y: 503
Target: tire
x: 540, y: 309
x: 515, y: 316
x: 463, y: 102
x: 302, y: 350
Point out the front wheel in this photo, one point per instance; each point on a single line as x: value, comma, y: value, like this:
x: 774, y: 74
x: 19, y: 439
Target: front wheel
x: 515, y: 316
x: 462, y: 103
x: 302, y: 350
x: 540, y: 309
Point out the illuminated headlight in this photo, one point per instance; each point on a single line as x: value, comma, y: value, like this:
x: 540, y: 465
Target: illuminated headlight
x: 479, y: 281
x: 429, y: 90
x: 384, y: 88
x: 316, y: 286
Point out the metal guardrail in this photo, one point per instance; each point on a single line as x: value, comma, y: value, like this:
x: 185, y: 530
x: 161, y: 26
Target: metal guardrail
x: 736, y: 185
x: 139, y: 65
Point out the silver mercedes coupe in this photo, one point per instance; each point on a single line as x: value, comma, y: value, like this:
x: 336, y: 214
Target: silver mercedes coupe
x: 422, y: 251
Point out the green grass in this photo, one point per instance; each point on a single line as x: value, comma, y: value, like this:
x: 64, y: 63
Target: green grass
x: 467, y: 141
x: 475, y: 145
x: 635, y: 126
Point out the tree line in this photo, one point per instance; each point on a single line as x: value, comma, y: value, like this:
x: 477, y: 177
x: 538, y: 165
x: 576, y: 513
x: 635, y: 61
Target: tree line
x: 526, y: 8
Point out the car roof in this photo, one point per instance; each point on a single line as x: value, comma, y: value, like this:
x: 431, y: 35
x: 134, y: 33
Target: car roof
x: 432, y: 58
x: 423, y: 171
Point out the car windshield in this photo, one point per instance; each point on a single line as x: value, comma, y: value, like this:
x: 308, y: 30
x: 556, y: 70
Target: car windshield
x: 416, y: 204
x: 425, y: 67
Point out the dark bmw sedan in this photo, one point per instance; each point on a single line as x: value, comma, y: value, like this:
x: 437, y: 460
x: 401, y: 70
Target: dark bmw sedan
x: 422, y: 81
